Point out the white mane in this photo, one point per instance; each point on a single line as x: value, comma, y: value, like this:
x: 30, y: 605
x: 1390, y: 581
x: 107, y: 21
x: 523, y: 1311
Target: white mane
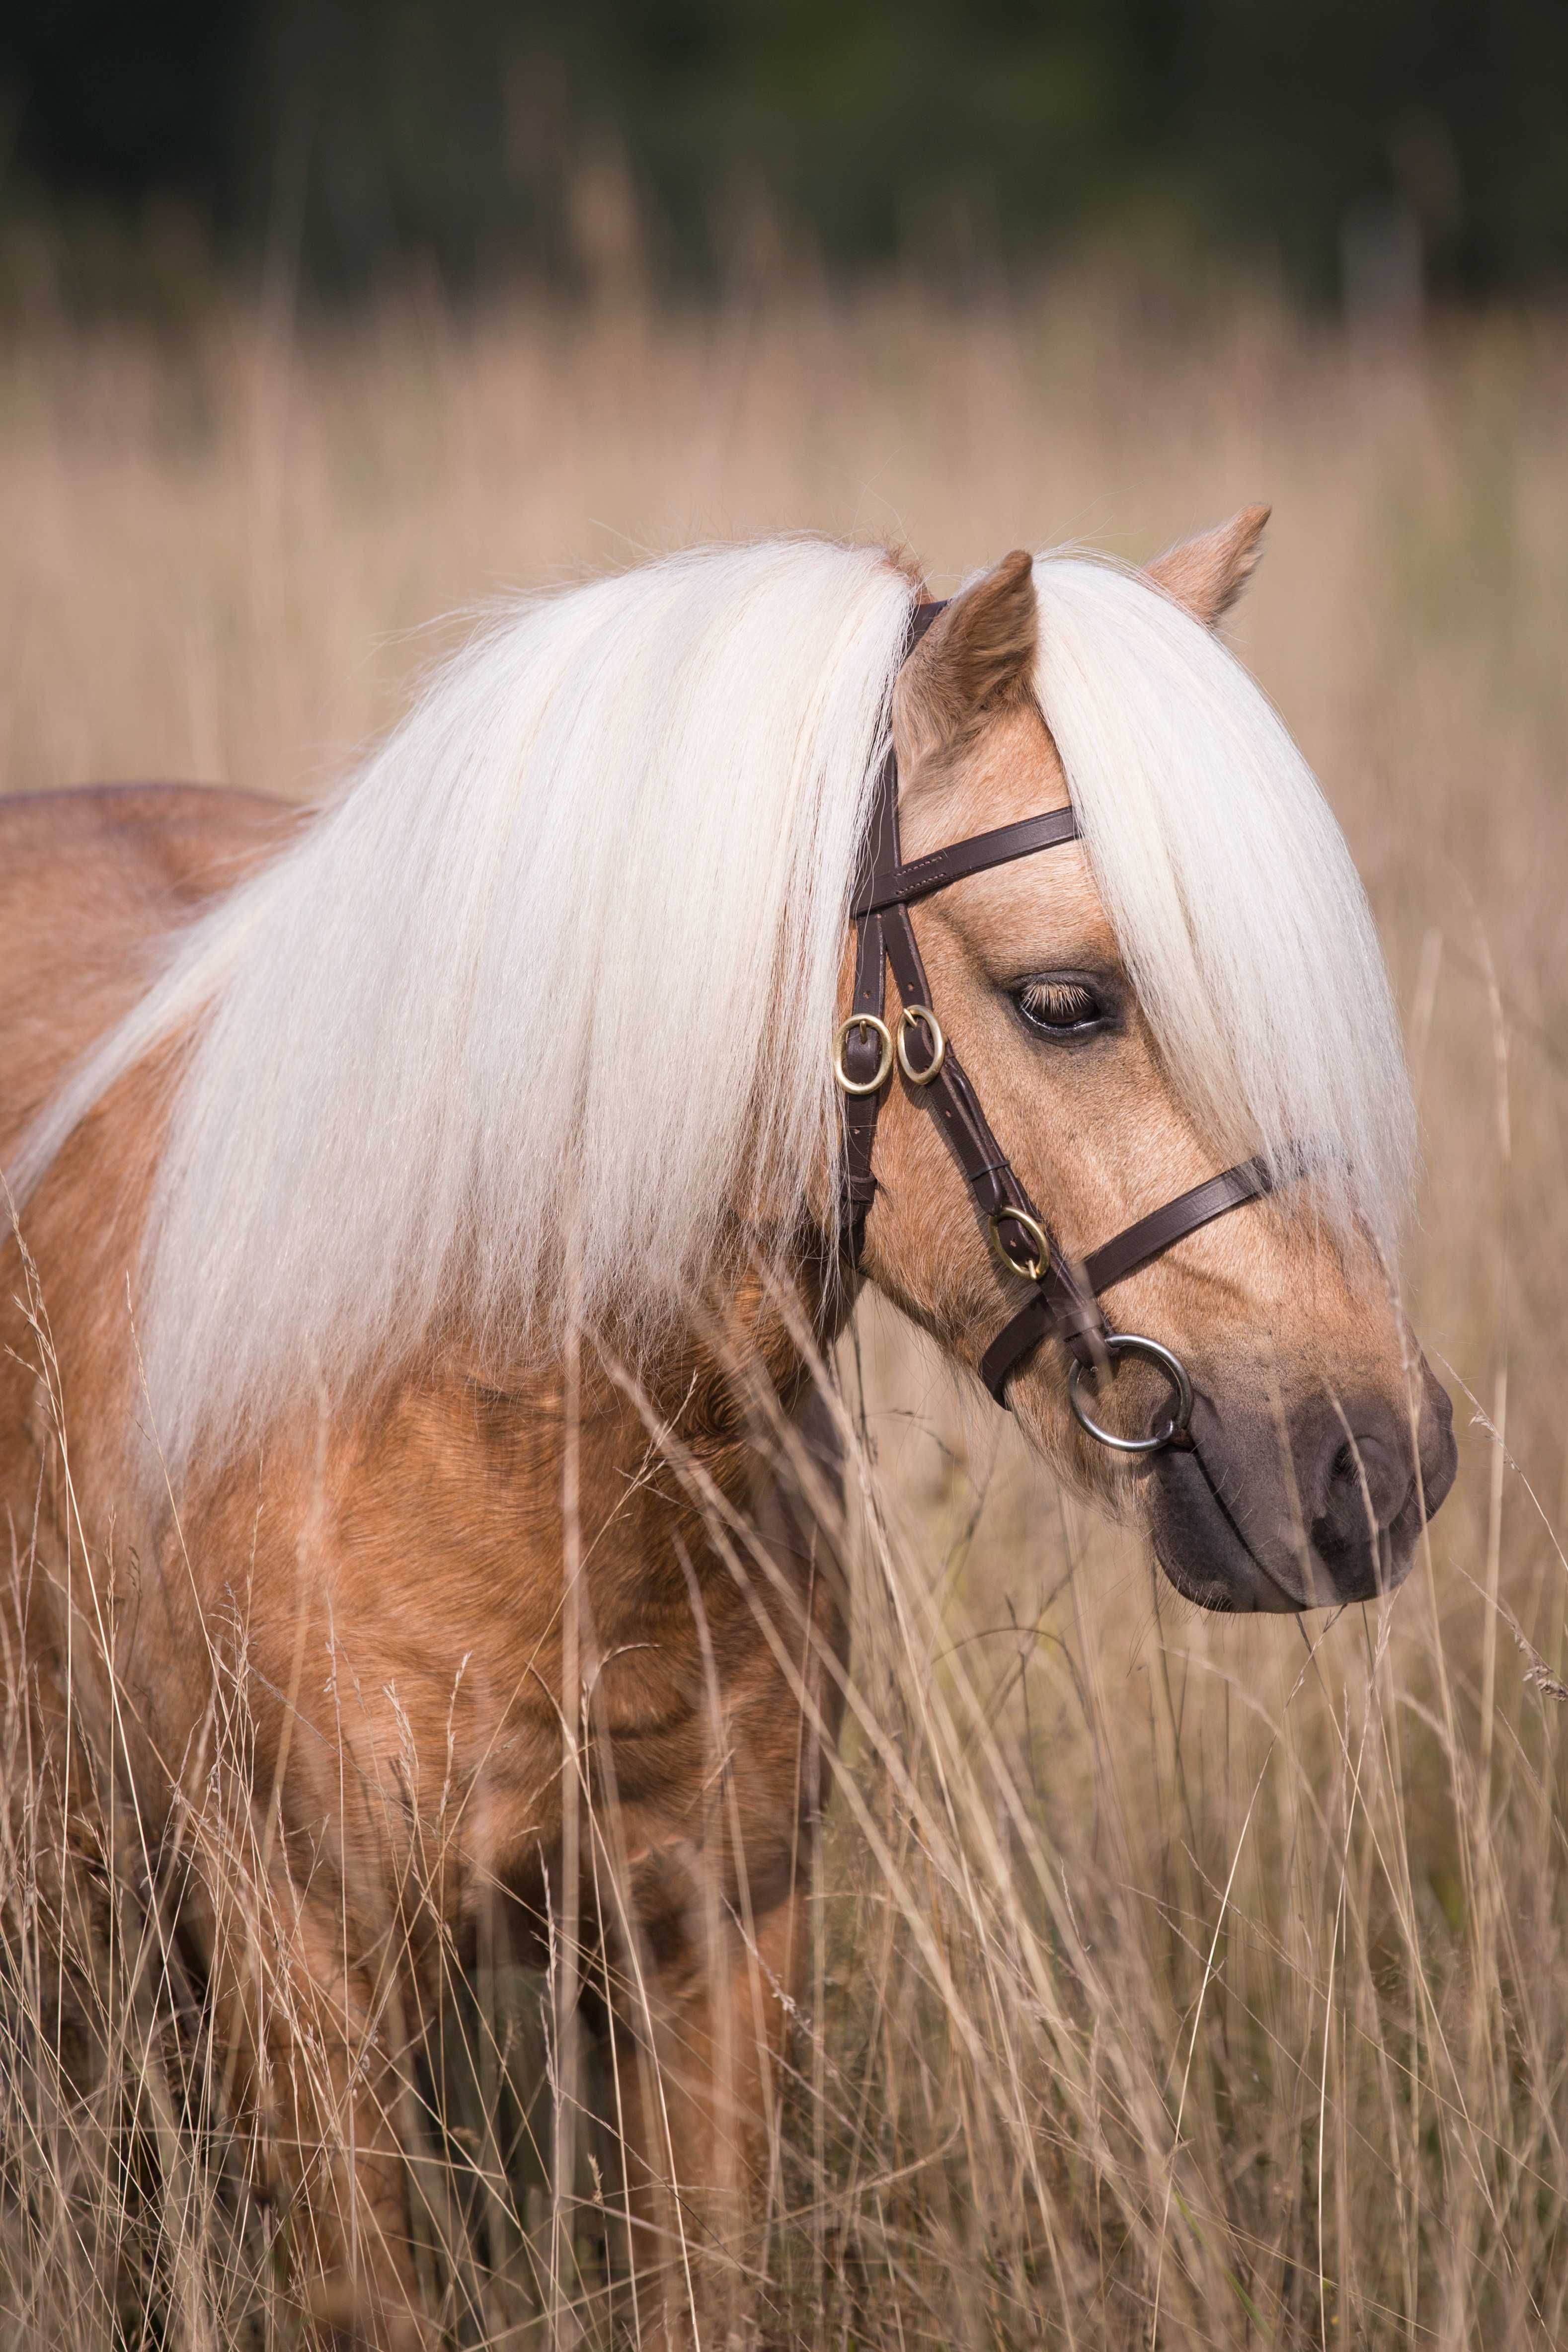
x: 551, y: 979
x: 1237, y: 909
x: 557, y: 971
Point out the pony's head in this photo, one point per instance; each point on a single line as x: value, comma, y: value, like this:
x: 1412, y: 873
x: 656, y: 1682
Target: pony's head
x: 1193, y: 980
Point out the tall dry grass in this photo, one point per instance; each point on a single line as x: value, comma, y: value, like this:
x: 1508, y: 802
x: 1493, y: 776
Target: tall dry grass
x: 1174, y: 1979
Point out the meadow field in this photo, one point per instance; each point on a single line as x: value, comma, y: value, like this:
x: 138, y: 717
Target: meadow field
x: 1176, y: 1980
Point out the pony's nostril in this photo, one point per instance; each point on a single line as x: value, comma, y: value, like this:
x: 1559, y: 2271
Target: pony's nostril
x: 1349, y: 1473
x: 1366, y: 1487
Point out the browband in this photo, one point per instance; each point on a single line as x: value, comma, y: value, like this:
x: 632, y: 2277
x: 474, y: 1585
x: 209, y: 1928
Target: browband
x: 1064, y: 1296
x: 905, y: 884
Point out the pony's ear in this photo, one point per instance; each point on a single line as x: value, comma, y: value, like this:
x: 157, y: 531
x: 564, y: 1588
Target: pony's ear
x: 1208, y: 574
x: 977, y: 658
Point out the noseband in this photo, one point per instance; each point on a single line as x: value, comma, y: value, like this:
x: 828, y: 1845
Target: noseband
x: 1064, y: 1295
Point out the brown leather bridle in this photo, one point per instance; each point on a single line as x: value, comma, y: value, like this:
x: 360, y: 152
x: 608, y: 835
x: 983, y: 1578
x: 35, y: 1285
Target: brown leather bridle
x: 1064, y: 1296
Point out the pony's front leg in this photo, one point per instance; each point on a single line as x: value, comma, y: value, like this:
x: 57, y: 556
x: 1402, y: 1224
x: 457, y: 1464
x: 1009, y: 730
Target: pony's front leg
x: 327, y: 2078
x: 697, y: 2036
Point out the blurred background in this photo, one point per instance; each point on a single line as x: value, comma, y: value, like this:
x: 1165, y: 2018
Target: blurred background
x: 1372, y: 151
x: 323, y: 323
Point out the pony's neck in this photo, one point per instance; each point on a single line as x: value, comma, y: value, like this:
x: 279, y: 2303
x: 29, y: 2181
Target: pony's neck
x: 645, y: 1474
x: 742, y: 1371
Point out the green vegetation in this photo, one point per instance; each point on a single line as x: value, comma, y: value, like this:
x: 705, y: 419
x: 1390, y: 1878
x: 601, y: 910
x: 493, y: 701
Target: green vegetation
x: 358, y: 137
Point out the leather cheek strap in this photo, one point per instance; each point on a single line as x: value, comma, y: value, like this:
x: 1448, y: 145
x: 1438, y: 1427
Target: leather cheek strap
x: 885, y: 935
x: 994, y: 1183
x: 861, y: 1056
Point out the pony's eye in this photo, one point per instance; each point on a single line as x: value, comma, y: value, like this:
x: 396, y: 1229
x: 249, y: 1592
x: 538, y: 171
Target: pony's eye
x: 1059, y: 1008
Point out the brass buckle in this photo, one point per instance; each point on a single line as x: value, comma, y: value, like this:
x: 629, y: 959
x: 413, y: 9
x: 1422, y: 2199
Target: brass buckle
x: 885, y: 1060
x: 920, y: 1017
x: 1036, y: 1269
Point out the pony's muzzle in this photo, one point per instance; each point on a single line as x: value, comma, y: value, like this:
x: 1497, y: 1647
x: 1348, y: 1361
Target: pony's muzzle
x: 1325, y: 1513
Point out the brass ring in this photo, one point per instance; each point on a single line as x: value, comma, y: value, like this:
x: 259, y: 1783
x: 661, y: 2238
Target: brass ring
x: 923, y: 1017
x: 1039, y: 1264
x: 1128, y: 1343
x: 885, y: 1061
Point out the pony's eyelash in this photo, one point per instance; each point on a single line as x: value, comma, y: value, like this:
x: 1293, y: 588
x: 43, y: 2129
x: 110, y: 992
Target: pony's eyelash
x: 1057, y: 1003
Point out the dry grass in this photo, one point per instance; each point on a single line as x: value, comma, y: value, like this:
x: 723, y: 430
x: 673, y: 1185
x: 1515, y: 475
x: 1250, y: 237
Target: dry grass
x: 1174, y: 1978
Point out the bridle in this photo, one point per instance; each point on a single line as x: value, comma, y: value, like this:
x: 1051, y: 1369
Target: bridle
x: 1064, y: 1296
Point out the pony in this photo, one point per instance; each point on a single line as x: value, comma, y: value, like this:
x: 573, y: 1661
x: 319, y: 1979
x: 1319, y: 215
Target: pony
x: 397, y: 1188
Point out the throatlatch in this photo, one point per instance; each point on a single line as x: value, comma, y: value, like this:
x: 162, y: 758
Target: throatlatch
x: 1064, y: 1296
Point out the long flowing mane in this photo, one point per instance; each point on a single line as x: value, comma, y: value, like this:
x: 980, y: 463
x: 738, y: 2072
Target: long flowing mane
x: 543, y: 997
x: 1234, y: 897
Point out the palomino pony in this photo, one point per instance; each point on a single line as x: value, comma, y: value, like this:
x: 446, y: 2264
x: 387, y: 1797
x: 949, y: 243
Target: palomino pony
x: 397, y: 1187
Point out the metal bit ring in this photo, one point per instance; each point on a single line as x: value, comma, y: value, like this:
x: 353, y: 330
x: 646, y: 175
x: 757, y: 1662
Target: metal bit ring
x: 1129, y: 1343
